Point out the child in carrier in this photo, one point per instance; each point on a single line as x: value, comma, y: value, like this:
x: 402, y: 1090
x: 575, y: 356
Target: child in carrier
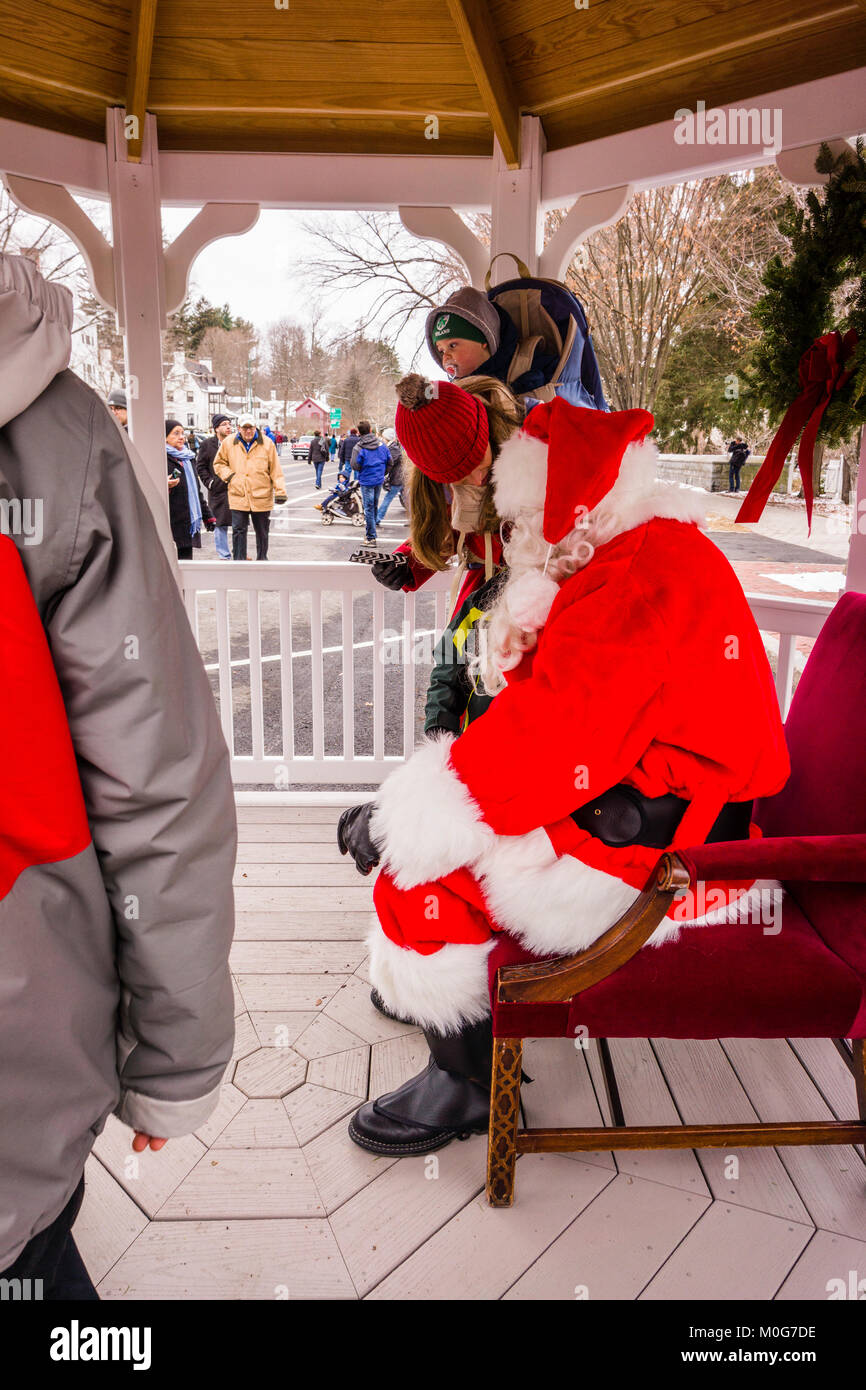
x: 470, y: 335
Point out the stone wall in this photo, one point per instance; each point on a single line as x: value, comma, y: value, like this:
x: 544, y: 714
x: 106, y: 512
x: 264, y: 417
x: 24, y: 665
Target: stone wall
x: 710, y: 471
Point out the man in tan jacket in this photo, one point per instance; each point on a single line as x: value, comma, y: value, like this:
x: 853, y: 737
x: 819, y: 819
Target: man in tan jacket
x: 247, y: 461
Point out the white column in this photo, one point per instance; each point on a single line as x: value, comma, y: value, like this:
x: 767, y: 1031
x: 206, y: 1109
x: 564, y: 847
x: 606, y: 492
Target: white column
x: 518, y: 220
x: 856, y: 573
x: 139, y: 277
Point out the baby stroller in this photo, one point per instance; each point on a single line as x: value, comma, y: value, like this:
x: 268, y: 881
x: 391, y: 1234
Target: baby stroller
x: 344, y: 503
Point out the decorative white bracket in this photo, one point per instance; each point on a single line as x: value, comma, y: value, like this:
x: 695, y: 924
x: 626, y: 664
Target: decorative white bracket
x: 590, y: 212
x: 215, y: 220
x: 54, y: 202
x: 797, y: 165
x: 443, y: 225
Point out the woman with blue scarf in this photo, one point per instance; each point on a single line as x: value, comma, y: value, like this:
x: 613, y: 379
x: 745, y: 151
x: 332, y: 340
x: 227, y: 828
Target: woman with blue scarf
x: 188, y: 510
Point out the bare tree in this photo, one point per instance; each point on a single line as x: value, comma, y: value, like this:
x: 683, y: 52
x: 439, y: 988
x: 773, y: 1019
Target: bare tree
x: 21, y: 234
x: 362, y: 377
x: 649, y: 279
x: 374, y: 249
x: 234, y: 353
x: 645, y: 282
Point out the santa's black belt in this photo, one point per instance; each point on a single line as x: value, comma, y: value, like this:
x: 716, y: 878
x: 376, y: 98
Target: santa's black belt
x: 621, y: 816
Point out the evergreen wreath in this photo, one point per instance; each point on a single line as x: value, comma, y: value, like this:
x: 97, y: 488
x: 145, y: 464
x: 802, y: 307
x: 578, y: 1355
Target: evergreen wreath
x: 821, y: 288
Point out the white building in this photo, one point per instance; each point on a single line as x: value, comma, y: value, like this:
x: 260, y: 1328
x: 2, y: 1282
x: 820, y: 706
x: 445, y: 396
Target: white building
x: 192, y: 392
x: 265, y: 411
x: 87, y: 361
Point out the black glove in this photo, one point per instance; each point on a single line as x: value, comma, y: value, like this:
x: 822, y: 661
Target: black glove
x: 353, y: 836
x: 392, y: 573
x: 280, y: 500
x: 209, y: 523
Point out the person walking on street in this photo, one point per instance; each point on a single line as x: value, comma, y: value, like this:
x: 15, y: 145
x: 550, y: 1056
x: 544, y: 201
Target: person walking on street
x: 370, y: 458
x: 347, y: 447
x: 392, y: 485
x: 216, y: 488
x: 318, y: 455
x: 187, y: 509
x: 118, y: 785
x: 739, y: 452
x: 332, y: 445
x: 248, y: 462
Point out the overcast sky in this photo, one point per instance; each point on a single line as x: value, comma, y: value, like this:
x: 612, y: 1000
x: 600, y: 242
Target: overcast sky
x: 259, y: 276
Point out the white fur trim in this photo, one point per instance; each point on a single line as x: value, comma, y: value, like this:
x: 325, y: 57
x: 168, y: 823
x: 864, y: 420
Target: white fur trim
x: 444, y: 991
x: 426, y: 820
x: 552, y: 905
x: 520, y: 479
x: 638, y: 495
x: 529, y: 599
x: 520, y: 475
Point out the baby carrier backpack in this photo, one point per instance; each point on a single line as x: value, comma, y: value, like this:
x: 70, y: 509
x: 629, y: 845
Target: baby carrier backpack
x: 550, y: 322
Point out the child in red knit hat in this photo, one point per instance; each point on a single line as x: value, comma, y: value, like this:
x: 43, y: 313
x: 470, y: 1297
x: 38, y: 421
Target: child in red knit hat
x: 451, y: 434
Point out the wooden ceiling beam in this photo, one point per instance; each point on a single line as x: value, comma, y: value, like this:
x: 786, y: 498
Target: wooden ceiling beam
x: 138, y: 72
x: 481, y: 45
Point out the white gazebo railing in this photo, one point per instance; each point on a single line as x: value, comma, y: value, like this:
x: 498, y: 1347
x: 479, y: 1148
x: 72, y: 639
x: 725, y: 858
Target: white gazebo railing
x: 790, y: 618
x: 319, y: 673
x: 298, y: 654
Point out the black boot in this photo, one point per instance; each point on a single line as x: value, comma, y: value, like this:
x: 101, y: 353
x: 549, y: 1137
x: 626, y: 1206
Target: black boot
x: 381, y: 1007
x: 450, y: 1099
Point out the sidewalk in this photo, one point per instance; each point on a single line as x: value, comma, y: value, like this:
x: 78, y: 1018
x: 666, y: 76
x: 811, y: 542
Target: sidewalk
x: 776, y: 555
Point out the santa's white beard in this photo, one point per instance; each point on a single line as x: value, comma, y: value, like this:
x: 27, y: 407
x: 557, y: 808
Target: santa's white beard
x: 536, y: 569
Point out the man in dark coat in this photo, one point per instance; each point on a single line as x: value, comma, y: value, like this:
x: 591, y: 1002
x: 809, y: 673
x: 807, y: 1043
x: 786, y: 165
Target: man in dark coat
x: 215, y: 487
x: 318, y: 455
x: 117, y: 405
x: 739, y: 452
x: 347, y: 446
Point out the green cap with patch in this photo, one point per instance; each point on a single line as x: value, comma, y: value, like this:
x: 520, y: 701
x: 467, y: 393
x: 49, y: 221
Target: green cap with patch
x: 453, y: 326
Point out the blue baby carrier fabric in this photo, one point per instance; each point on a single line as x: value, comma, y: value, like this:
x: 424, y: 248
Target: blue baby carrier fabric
x: 554, y: 342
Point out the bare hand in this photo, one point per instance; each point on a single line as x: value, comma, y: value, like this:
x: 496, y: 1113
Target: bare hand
x: 173, y: 482
x: 143, y: 1141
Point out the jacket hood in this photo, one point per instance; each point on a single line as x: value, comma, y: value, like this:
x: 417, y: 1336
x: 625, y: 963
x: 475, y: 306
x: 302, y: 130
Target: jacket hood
x: 369, y: 441
x: 35, y: 334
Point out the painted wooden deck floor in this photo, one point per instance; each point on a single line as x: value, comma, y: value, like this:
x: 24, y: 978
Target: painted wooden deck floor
x: 271, y: 1199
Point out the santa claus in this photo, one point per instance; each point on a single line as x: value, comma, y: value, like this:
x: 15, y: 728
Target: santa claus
x: 634, y: 712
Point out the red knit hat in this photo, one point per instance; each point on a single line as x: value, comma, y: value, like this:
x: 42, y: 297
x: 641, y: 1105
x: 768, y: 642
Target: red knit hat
x: 443, y: 429
x: 584, y: 452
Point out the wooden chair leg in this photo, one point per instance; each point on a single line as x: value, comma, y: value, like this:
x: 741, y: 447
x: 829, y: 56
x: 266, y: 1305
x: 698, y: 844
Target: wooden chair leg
x: 610, y: 1086
x: 858, y: 1067
x: 504, y: 1111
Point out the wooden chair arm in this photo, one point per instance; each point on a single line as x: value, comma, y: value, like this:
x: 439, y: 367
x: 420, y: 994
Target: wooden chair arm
x: 554, y: 981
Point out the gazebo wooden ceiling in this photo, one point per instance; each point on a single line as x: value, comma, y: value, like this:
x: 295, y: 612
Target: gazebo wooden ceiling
x: 362, y: 78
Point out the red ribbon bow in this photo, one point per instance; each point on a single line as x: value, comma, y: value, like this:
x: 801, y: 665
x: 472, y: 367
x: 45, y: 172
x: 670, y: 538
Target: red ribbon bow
x: 821, y: 374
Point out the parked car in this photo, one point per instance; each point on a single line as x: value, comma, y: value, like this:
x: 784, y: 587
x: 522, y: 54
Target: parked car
x: 301, y: 448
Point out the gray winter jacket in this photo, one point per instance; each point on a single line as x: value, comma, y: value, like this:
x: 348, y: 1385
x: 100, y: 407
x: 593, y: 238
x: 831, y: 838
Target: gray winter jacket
x: 115, y: 993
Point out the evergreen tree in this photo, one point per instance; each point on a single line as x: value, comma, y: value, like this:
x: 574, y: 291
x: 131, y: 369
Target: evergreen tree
x: 189, y: 323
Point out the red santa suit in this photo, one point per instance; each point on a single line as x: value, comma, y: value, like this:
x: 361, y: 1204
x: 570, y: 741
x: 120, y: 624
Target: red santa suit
x: 648, y: 669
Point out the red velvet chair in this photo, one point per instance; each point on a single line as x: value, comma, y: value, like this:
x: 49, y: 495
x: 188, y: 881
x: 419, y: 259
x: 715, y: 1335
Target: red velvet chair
x: 733, y: 980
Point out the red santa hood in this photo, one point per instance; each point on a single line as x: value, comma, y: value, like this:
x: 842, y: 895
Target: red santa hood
x: 568, y: 462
